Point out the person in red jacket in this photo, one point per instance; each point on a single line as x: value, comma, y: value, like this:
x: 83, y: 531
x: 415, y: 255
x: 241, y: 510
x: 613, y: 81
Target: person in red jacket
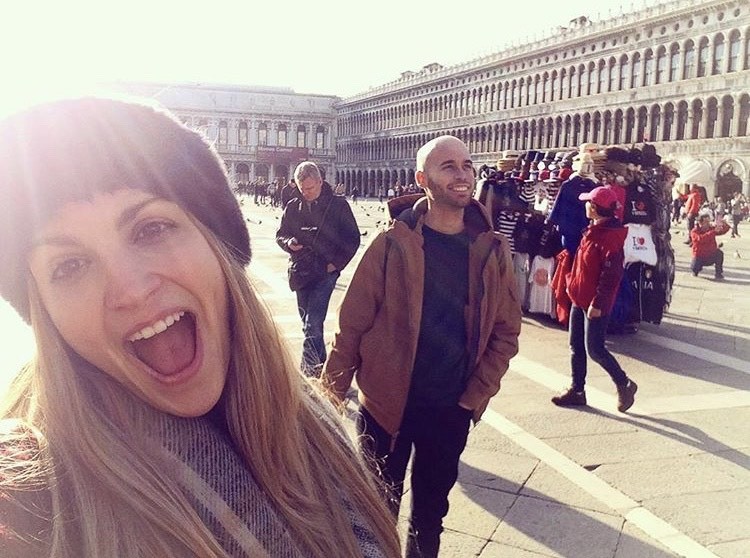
x: 592, y: 287
x: 704, y: 247
x: 692, y: 207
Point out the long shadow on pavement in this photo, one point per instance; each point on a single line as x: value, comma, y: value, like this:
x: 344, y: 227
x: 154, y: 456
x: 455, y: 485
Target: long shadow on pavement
x: 680, y: 432
x: 538, y: 523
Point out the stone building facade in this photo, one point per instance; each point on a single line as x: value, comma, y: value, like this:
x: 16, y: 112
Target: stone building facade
x: 260, y: 132
x: 676, y: 75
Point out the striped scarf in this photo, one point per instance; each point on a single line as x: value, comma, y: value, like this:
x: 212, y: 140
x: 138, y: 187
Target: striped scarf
x: 227, y: 498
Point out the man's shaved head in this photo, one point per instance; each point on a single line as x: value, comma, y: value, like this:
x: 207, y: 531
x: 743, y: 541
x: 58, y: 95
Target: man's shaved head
x: 424, y: 152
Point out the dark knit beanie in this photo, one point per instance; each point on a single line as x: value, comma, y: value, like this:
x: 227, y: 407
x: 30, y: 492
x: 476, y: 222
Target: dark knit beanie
x: 73, y: 149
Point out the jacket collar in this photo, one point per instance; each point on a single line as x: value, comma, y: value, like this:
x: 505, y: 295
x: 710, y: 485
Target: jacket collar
x: 411, y: 210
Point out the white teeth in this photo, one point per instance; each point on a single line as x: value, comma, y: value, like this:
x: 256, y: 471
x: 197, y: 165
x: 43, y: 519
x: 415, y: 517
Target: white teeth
x: 156, y: 327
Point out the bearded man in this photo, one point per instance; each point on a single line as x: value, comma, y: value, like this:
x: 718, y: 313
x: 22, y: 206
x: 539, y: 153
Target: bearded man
x: 428, y: 326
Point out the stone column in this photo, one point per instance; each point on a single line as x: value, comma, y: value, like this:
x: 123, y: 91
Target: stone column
x: 735, y: 130
x: 689, y: 123
x: 661, y: 128
x: 702, y: 133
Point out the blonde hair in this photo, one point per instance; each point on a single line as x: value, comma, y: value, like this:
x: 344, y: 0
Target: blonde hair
x: 111, y: 497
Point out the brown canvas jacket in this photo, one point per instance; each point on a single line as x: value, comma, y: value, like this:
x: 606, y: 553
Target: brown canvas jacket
x: 379, y: 318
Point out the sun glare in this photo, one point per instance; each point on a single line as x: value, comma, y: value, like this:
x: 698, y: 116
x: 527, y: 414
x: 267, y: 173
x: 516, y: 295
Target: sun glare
x: 16, y: 344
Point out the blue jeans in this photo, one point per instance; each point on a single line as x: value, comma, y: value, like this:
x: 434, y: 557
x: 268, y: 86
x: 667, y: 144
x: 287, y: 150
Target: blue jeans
x: 587, y: 337
x: 716, y: 259
x: 312, y: 304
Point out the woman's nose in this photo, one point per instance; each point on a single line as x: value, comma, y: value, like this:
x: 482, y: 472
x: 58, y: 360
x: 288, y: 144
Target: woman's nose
x: 129, y: 284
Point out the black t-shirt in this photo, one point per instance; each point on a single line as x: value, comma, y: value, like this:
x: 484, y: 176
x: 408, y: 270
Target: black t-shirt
x: 440, y: 366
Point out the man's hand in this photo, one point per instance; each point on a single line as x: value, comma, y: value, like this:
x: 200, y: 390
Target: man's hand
x: 293, y: 245
x: 593, y: 313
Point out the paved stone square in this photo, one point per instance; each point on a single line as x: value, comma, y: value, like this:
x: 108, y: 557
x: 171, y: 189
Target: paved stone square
x: 669, y: 478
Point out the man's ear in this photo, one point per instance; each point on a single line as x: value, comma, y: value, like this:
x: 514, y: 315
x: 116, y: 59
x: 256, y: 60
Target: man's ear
x: 420, y: 178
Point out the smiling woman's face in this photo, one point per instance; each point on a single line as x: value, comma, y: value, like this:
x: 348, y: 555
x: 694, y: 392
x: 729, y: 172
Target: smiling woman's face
x: 134, y: 288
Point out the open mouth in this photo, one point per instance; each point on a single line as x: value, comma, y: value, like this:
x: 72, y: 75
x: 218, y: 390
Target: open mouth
x: 168, y: 345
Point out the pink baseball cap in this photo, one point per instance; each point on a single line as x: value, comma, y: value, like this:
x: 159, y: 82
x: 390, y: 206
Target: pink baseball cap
x: 602, y: 196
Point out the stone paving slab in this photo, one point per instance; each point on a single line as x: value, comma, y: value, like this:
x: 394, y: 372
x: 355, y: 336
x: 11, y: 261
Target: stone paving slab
x: 547, y: 484
x: 659, y: 478
x: 497, y: 550
x: 623, y: 447
x: 557, y: 529
x: 688, y: 514
x: 479, y: 468
x: 633, y: 545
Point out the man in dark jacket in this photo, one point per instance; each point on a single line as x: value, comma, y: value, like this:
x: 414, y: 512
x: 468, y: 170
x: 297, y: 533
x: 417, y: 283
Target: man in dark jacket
x: 592, y: 287
x: 428, y: 324
x: 319, y: 227
x: 288, y: 192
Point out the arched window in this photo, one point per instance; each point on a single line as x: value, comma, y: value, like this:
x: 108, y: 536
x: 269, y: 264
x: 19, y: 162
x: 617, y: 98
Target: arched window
x: 718, y: 60
x: 603, y: 78
x: 242, y: 136
x: 674, y: 61
x: 703, y: 58
x: 223, y: 135
x: 612, y: 75
x: 734, y: 51
x: 513, y: 94
x: 592, y: 79
x: 320, y: 137
x: 742, y: 129
x: 546, y: 88
x: 687, y: 71
x: 661, y: 65
x: 648, y: 72
x: 624, y: 72
x: 262, y: 134
x: 281, y: 135
x: 564, y: 89
x: 301, y: 136
x: 635, y: 75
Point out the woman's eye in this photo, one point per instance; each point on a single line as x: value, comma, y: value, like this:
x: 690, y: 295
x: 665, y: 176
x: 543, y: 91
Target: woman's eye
x: 68, y: 269
x: 152, y: 230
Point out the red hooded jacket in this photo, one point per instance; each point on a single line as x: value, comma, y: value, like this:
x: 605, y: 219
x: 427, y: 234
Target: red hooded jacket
x: 704, y: 241
x: 694, y: 201
x: 597, y: 267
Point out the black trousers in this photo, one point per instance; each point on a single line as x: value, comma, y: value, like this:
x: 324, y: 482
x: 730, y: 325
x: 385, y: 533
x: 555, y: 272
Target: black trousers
x: 437, y: 435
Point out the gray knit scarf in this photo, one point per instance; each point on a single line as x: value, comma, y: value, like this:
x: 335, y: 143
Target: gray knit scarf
x: 227, y: 497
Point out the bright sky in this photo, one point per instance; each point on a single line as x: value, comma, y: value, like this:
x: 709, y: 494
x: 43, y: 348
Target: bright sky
x: 53, y: 47
x: 325, y: 46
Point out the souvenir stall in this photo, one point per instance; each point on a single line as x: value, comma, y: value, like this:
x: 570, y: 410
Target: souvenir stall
x: 533, y: 200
